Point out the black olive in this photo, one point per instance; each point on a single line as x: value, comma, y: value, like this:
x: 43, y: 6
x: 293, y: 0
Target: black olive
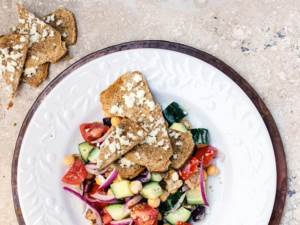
x: 198, y: 213
x: 107, y: 121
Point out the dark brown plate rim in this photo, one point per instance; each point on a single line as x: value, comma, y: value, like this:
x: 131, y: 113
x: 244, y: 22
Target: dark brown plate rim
x: 281, y: 167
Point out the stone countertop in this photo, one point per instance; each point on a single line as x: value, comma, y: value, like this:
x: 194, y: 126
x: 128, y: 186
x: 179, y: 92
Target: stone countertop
x: 258, y: 38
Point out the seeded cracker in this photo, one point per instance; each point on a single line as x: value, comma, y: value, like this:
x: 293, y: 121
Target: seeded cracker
x: 120, y: 140
x: 183, y: 146
x: 129, y: 96
x: 64, y: 21
x: 13, y: 49
x: 45, y: 43
x: 34, y: 76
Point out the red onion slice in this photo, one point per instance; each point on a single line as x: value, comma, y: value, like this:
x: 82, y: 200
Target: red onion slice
x: 95, y: 211
x: 202, y: 185
x: 103, y: 198
x: 92, y: 168
x: 122, y: 222
x: 112, y: 176
x: 133, y: 201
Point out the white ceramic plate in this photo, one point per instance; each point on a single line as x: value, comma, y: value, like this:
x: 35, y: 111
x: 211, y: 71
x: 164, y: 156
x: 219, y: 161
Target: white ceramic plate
x: 244, y: 192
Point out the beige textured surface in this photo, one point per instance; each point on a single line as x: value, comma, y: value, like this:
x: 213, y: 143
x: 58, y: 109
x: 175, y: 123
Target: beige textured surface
x: 258, y: 38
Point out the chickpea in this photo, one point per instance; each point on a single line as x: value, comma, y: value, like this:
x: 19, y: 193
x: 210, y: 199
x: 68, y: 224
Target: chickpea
x: 115, y: 121
x: 154, y: 202
x: 99, y: 180
x: 159, y: 216
x: 69, y: 160
x: 135, y: 186
x: 110, y: 193
x: 118, y: 178
x: 164, y: 196
x: 212, y: 170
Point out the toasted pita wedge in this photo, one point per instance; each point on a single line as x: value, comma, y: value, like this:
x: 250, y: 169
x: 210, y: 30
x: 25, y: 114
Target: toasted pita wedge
x: 64, y: 21
x: 34, y: 76
x: 130, y: 96
x: 128, y: 169
x: 13, y: 50
x: 45, y: 42
x: 183, y: 146
x: 120, y: 140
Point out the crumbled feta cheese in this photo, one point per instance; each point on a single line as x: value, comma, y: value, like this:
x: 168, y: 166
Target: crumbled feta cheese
x: 138, y: 156
x: 59, y: 22
x: 151, y: 119
x: 18, y: 47
x: 154, y: 132
x: 116, y: 110
x: 31, y: 71
x: 124, y: 140
x: 131, y: 135
x: 119, y: 131
x: 45, y: 33
x: 175, y: 156
x: 174, y: 134
x: 22, y: 21
x: 50, y: 18
x: 129, y: 86
x: 160, y: 143
x: 166, y: 147
x: 125, y: 163
x: 175, y: 176
x: 140, y: 133
x: 34, y: 57
x: 129, y: 100
x: 178, y: 143
x: 51, y: 33
x: 150, y: 105
x: 22, y: 38
x: 150, y: 140
x: 65, y: 34
x: 137, y: 78
x: 112, y: 147
x: 140, y: 94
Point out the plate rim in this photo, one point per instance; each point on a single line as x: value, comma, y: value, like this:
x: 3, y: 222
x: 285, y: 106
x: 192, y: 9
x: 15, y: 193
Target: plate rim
x: 281, y: 166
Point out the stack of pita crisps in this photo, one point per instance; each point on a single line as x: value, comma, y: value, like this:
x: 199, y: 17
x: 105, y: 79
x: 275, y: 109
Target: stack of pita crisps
x: 26, y: 53
x: 130, y: 98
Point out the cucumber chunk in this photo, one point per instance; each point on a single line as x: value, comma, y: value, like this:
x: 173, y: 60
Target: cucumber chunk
x: 152, y: 190
x: 156, y: 177
x: 121, y: 189
x: 180, y: 215
x: 179, y: 127
x: 117, y: 211
x: 84, y: 149
x: 94, y: 155
x: 174, y: 113
x: 200, y: 136
x: 194, y: 197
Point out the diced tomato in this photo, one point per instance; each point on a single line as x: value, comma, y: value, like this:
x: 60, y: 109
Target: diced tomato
x: 189, y: 169
x: 76, y: 174
x: 207, y: 153
x: 93, y: 131
x: 182, y: 223
x: 106, y: 218
x: 94, y: 188
x: 143, y: 214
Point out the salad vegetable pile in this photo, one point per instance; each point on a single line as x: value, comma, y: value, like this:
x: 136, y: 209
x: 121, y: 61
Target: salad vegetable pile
x: 176, y: 196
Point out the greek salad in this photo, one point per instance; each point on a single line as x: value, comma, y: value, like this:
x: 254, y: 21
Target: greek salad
x: 176, y: 196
